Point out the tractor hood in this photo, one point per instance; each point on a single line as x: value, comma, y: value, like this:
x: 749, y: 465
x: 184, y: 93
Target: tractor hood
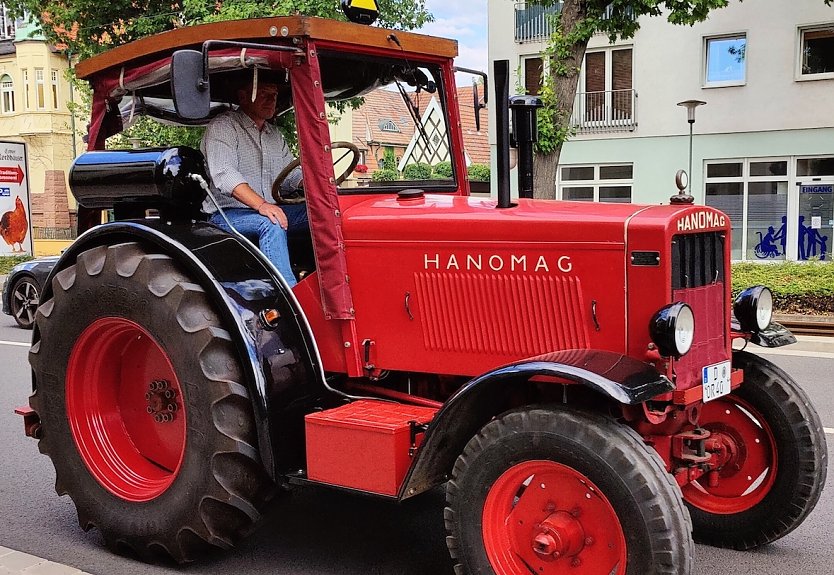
x: 443, y: 218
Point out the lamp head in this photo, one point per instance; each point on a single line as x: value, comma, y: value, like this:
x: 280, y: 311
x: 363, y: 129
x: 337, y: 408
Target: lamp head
x: 690, y: 106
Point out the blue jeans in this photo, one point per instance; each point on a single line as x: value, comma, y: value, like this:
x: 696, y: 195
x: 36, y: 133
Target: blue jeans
x: 271, y: 238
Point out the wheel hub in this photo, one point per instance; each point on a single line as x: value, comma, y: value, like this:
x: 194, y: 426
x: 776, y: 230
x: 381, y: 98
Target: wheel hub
x: 541, y: 517
x: 559, y: 535
x: 161, y: 400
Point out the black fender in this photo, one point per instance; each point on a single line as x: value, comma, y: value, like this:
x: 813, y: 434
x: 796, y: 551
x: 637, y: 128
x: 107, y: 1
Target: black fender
x: 618, y: 377
x: 774, y: 335
x: 282, y: 368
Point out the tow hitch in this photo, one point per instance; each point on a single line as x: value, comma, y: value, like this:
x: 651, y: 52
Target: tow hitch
x: 31, y: 421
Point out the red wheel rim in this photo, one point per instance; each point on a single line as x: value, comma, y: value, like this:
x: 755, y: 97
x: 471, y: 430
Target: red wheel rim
x: 125, y: 409
x: 546, y: 518
x: 745, y: 448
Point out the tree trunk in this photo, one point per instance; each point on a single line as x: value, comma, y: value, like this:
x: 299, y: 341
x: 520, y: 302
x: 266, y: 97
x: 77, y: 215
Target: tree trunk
x: 573, y: 12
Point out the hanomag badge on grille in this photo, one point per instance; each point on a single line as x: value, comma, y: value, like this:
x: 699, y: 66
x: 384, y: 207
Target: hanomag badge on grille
x: 716, y: 380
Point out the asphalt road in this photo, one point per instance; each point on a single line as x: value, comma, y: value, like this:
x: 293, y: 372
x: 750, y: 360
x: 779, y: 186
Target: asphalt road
x: 313, y: 531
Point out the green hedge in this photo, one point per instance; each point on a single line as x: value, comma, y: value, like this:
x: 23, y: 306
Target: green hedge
x: 385, y: 175
x: 806, y: 287
x: 8, y: 262
x: 418, y: 171
x: 478, y: 172
x: 442, y: 171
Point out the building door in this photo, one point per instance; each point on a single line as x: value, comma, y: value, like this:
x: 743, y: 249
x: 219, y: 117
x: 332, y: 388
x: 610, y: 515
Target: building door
x: 815, y: 218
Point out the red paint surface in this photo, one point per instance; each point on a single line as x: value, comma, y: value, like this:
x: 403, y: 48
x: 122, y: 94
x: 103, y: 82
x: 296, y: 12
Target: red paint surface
x: 363, y: 445
x: 109, y: 372
x: 538, y: 509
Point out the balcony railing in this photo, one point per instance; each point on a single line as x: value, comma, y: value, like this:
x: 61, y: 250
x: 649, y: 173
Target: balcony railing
x: 609, y: 111
x: 532, y: 22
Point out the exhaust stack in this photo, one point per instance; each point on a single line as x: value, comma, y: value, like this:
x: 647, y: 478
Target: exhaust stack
x: 525, y: 134
x: 502, y: 130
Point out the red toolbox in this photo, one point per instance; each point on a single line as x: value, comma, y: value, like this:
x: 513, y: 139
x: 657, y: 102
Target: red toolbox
x: 363, y: 445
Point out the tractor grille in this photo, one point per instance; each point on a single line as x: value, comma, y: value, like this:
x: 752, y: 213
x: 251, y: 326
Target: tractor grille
x: 697, y: 260
x: 698, y: 280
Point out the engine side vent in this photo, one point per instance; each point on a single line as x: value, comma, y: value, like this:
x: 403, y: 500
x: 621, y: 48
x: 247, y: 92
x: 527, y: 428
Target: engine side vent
x: 697, y: 259
x: 517, y: 316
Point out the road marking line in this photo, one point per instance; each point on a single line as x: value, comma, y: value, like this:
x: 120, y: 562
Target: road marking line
x: 794, y: 352
x: 16, y: 343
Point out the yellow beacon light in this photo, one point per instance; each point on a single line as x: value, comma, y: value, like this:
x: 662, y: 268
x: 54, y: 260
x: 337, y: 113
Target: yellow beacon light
x: 361, y: 11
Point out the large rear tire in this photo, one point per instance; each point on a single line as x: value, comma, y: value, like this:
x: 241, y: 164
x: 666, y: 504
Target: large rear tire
x: 556, y: 491
x: 145, y: 416
x: 773, y: 460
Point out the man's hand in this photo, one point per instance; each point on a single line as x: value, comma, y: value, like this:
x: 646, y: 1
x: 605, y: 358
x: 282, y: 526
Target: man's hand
x: 275, y: 214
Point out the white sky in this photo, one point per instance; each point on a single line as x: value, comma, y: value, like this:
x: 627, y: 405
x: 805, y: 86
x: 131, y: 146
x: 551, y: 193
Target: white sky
x: 466, y: 22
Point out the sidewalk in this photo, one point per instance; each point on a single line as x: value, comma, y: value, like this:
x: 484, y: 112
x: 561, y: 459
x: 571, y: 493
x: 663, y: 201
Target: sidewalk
x: 17, y: 563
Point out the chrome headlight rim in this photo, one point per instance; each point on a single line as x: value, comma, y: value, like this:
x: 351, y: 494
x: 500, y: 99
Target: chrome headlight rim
x: 672, y: 329
x: 753, y: 308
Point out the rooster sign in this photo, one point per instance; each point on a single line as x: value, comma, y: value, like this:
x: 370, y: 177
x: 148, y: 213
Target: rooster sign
x: 15, y: 220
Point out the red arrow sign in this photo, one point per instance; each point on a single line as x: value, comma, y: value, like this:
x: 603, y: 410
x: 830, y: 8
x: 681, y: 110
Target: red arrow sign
x: 14, y: 175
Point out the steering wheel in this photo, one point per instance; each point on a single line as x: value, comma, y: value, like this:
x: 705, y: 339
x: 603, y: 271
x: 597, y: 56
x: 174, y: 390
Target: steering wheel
x: 279, y: 179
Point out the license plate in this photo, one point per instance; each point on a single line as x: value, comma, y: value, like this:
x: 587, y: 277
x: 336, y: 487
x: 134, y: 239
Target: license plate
x: 716, y: 379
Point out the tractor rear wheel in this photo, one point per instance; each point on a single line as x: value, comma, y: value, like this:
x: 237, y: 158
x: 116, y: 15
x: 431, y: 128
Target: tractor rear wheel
x: 144, y: 412
x: 552, y: 491
x: 772, y: 455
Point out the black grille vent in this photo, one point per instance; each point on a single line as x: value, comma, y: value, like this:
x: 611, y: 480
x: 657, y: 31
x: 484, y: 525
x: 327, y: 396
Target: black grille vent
x: 697, y: 259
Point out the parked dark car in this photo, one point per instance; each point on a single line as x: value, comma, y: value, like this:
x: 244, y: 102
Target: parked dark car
x: 22, y: 290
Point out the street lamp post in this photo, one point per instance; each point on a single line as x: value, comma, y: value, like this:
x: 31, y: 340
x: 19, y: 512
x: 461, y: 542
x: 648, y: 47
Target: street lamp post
x: 690, y: 106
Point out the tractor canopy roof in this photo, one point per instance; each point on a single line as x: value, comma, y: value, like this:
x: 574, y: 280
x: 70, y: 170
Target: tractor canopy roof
x: 135, y: 78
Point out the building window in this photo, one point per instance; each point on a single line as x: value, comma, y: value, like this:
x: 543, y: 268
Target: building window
x: 609, y: 183
x: 55, y: 89
x: 7, y: 23
x: 754, y: 194
x: 606, y: 98
x: 533, y: 68
x: 7, y: 94
x: 726, y: 58
x: 26, y: 89
x: 817, y: 51
x: 40, y: 88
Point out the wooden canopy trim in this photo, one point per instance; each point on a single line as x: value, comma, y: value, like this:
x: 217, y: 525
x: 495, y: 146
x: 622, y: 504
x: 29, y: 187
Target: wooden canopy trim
x: 265, y: 29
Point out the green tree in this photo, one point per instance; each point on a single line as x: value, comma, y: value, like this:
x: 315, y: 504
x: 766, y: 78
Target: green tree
x: 577, y: 21
x: 87, y: 27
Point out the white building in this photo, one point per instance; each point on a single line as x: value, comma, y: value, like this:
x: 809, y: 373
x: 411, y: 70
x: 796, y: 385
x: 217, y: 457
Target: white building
x: 763, y: 146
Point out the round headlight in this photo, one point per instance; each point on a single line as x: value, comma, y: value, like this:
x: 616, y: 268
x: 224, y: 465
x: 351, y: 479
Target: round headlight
x: 673, y: 329
x: 754, y: 308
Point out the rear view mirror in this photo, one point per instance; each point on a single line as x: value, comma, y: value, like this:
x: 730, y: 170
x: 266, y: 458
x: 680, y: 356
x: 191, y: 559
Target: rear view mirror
x: 190, y: 85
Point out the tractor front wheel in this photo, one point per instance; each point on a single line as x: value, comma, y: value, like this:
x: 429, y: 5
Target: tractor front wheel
x: 144, y: 411
x: 551, y: 491
x: 772, y: 459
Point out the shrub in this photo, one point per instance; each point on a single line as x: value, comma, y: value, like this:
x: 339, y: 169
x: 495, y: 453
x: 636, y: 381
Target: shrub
x: 385, y: 175
x: 8, y: 262
x: 806, y: 287
x: 442, y: 171
x: 418, y: 171
x: 478, y: 172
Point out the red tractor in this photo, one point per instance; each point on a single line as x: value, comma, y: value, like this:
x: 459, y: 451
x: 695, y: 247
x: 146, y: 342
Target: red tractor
x: 565, y: 368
